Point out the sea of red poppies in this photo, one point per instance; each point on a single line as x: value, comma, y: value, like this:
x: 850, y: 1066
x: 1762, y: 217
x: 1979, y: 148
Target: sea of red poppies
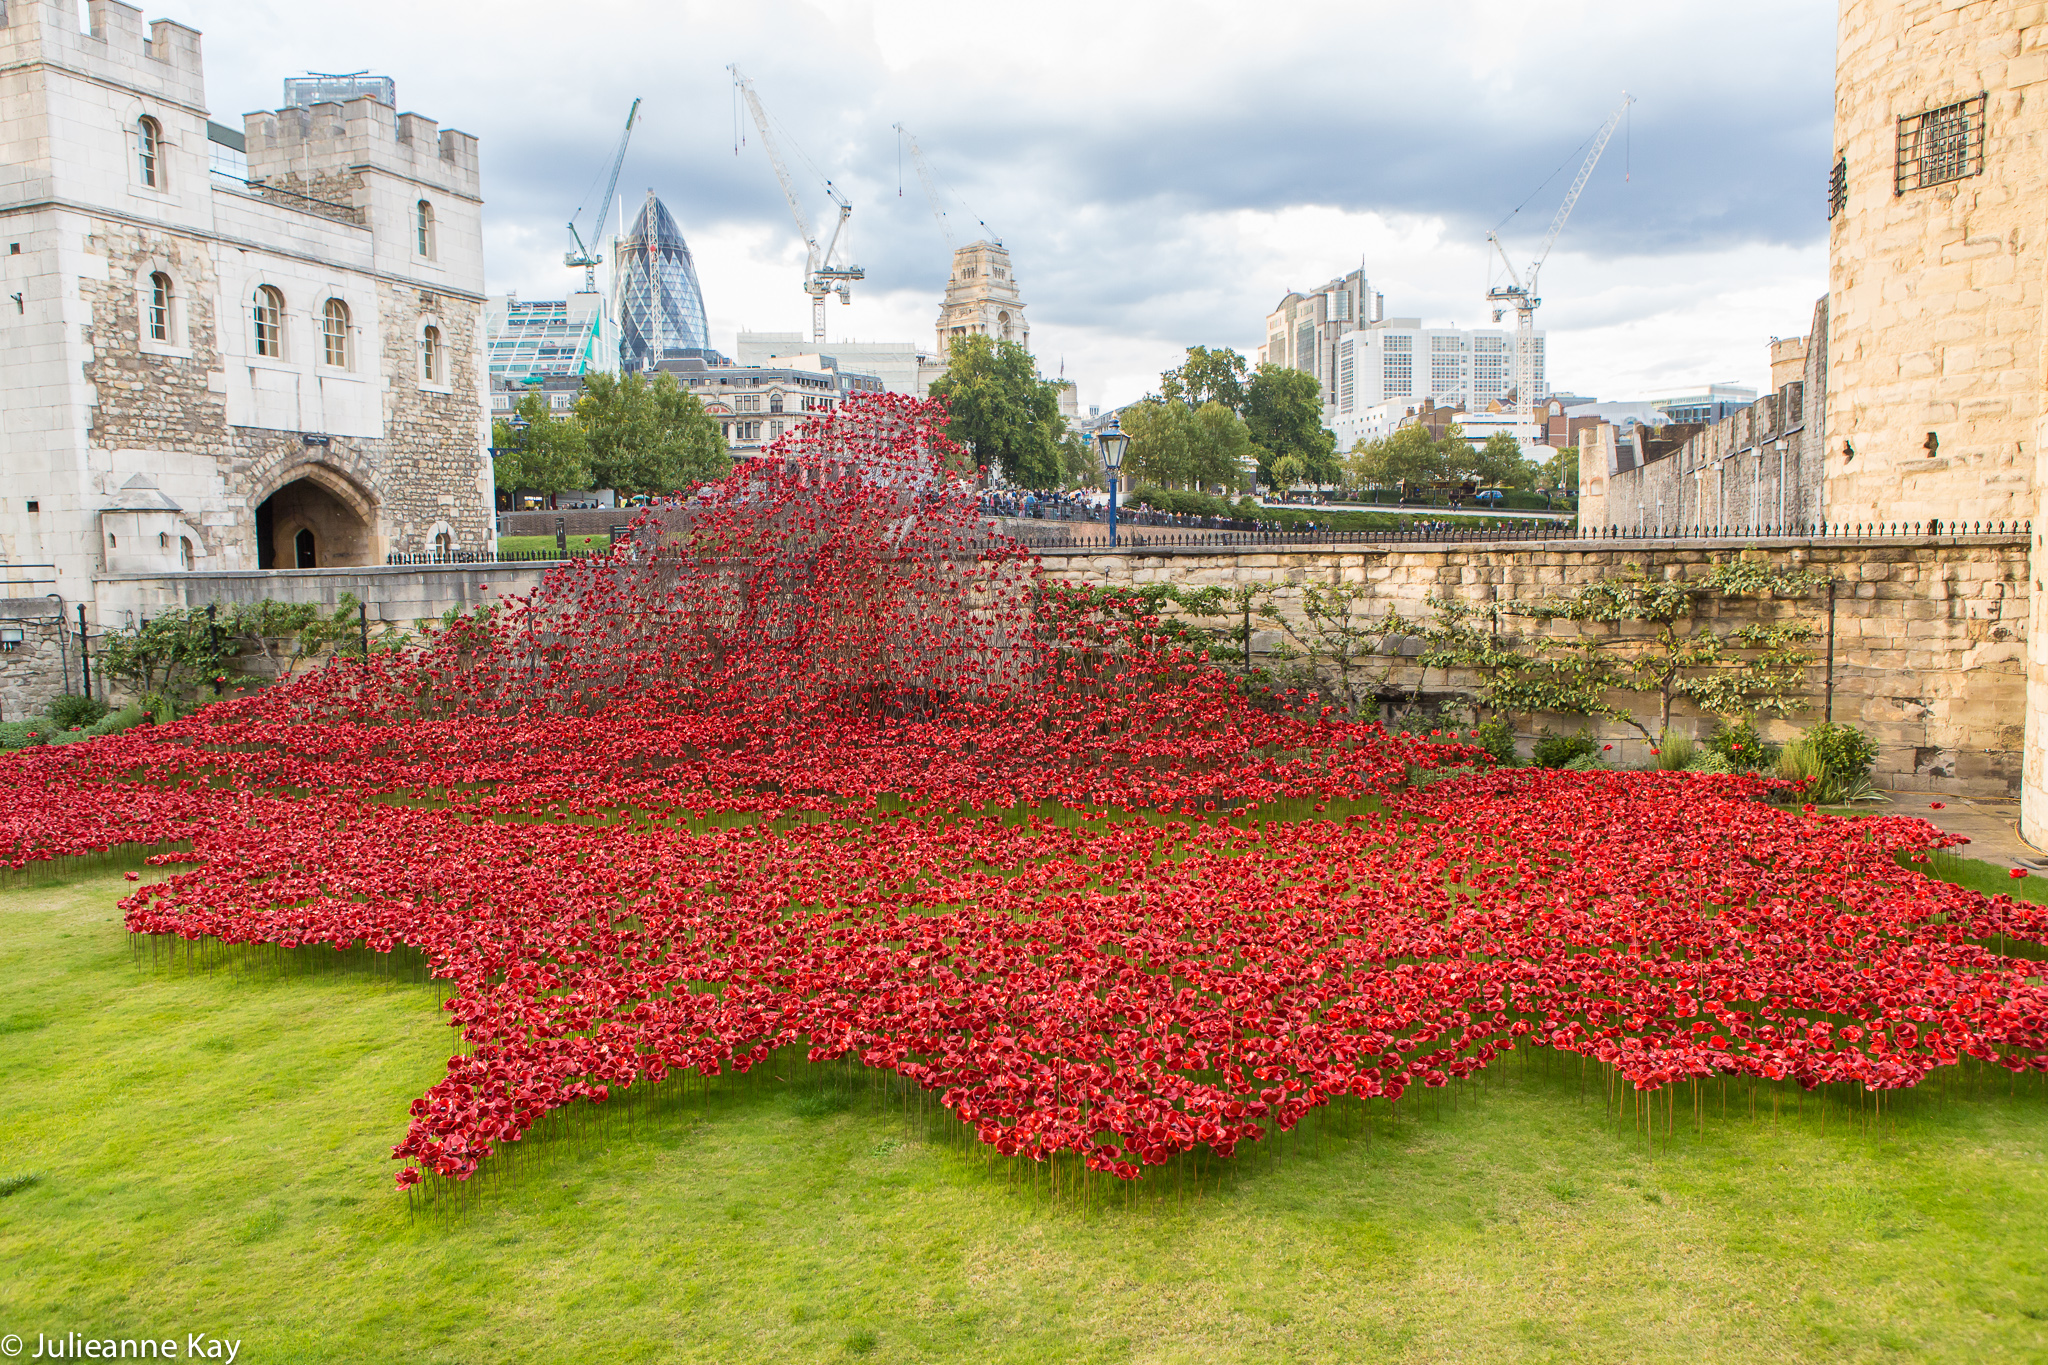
x: 816, y: 760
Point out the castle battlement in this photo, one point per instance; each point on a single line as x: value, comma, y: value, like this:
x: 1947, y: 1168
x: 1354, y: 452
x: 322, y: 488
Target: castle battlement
x: 363, y: 134
x: 161, y: 57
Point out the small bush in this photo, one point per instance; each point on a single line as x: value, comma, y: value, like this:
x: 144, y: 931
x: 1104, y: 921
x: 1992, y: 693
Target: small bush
x: 127, y: 717
x: 1742, y: 748
x: 1806, y: 760
x: 1498, y: 739
x: 23, y: 734
x: 1674, y: 753
x: 1586, y: 763
x: 1843, y: 750
x: 72, y: 711
x: 1557, y: 751
x: 1707, y: 761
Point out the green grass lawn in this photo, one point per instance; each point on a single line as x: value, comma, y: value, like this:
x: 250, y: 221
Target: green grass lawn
x: 592, y: 544
x: 210, y: 1155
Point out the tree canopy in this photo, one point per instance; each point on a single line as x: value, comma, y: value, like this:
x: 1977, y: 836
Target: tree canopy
x: 1206, y: 376
x: 549, y: 455
x: 1176, y: 446
x: 1411, y: 456
x: 648, y: 437
x: 1003, y: 412
x: 1283, y: 412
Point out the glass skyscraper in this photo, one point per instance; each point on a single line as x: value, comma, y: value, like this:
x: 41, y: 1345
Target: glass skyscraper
x: 661, y: 305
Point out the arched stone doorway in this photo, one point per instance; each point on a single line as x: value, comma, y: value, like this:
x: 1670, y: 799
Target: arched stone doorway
x: 317, y: 520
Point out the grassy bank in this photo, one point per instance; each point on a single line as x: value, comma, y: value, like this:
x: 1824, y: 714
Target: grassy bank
x: 205, y: 1151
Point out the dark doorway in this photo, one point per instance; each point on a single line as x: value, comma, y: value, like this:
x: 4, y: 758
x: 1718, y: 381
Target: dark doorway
x: 319, y: 522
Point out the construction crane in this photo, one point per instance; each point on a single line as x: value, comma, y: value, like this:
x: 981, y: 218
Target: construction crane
x: 581, y: 255
x: 823, y: 275
x: 1519, y: 292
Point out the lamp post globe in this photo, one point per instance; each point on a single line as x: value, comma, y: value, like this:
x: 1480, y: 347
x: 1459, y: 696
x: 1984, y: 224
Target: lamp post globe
x: 1111, y: 442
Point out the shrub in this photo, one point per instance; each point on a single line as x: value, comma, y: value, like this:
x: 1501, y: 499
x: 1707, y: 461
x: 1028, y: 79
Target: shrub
x: 130, y: 715
x: 23, y: 734
x: 1742, y: 748
x: 1707, y: 761
x: 1498, y: 739
x: 1586, y: 763
x: 1674, y: 753
x: 1843, y: 750
x: 1807, y: 760
x: 1557, y: 751
x: 71, y: 711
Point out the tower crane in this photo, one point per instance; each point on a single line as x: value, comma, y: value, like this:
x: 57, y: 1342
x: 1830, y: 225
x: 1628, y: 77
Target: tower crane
x: 1520, y: 290
x: 822, y: 273
x: 581, y: 255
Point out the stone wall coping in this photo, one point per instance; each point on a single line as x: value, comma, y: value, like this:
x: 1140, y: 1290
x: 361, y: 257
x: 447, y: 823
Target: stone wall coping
x: 1576, y: 545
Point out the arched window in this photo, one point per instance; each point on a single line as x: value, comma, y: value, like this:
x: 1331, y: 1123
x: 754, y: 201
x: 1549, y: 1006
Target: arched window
x: 269, y: 322
x: 184, y: 552
x: 430, y: 355
x: 775, y: 402
x: 159, y: 307
x: 334, y: 333
x: 148, y: 146
x: 423, y: 228
x: 444, y: 543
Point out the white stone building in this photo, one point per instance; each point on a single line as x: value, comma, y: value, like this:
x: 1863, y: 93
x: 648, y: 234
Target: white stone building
x: 203, y: 372
x: 1390, y: 366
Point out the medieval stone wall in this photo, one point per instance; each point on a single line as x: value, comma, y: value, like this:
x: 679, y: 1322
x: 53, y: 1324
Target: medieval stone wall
x: 1935, y: 381
x: 436, y: 431
x: 1762, y: 468
x: 1929, y: 635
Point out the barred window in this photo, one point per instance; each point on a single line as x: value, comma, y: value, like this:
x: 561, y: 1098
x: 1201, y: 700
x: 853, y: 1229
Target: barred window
x: 1838, y: 188
x: 1940, y: 145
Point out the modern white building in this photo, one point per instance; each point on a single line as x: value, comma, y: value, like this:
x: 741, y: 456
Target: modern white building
x: 1387, y: 368
x: 212, y: 371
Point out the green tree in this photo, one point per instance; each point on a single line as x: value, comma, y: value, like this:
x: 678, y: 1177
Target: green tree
x: 1407, y: 456
x: 549, y: 455
x: 1283, y: 411
x: 1176, y: 446
x: 1206, y: 376
x: 648, y: 437
x: 1002, y: 411
x: 1560, y: 471
x: 1495, y: 463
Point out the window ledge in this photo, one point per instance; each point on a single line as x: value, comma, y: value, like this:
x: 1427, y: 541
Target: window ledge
x: 425, y: 387
x: 163, y: 348
x: 264, y: 362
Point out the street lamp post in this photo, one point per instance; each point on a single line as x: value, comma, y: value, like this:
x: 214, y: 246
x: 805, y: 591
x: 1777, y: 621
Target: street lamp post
x: 1112, y: 443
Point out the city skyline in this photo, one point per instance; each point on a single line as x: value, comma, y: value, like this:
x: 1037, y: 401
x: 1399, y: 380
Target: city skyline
x: 1163, y: 184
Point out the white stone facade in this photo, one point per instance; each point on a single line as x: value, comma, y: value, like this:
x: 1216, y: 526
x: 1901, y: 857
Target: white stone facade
x: 207, y: 374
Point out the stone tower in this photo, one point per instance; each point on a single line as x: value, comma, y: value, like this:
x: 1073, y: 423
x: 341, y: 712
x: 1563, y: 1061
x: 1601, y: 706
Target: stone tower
x: 982, y: 299
x: 233, y: 347
x: 1936, y: 260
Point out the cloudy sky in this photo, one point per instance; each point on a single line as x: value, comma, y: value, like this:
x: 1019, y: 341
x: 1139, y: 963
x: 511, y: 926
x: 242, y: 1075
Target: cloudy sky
x: 1162, y: 173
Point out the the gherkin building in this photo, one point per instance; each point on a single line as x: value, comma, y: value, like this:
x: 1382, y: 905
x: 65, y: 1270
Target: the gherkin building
x: 660, y: 303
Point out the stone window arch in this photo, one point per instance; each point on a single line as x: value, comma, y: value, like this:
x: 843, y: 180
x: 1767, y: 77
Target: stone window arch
x: 423, y: 229
x: 162, y: 301
x: 433, y: 360
x: 335, y: 334
x: 149, y: 147
x: 775, y: 401
x: 268, y: 314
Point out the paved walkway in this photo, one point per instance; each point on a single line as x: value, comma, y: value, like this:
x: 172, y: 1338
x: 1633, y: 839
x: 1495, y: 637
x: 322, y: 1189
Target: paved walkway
x: 1990, y: 823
